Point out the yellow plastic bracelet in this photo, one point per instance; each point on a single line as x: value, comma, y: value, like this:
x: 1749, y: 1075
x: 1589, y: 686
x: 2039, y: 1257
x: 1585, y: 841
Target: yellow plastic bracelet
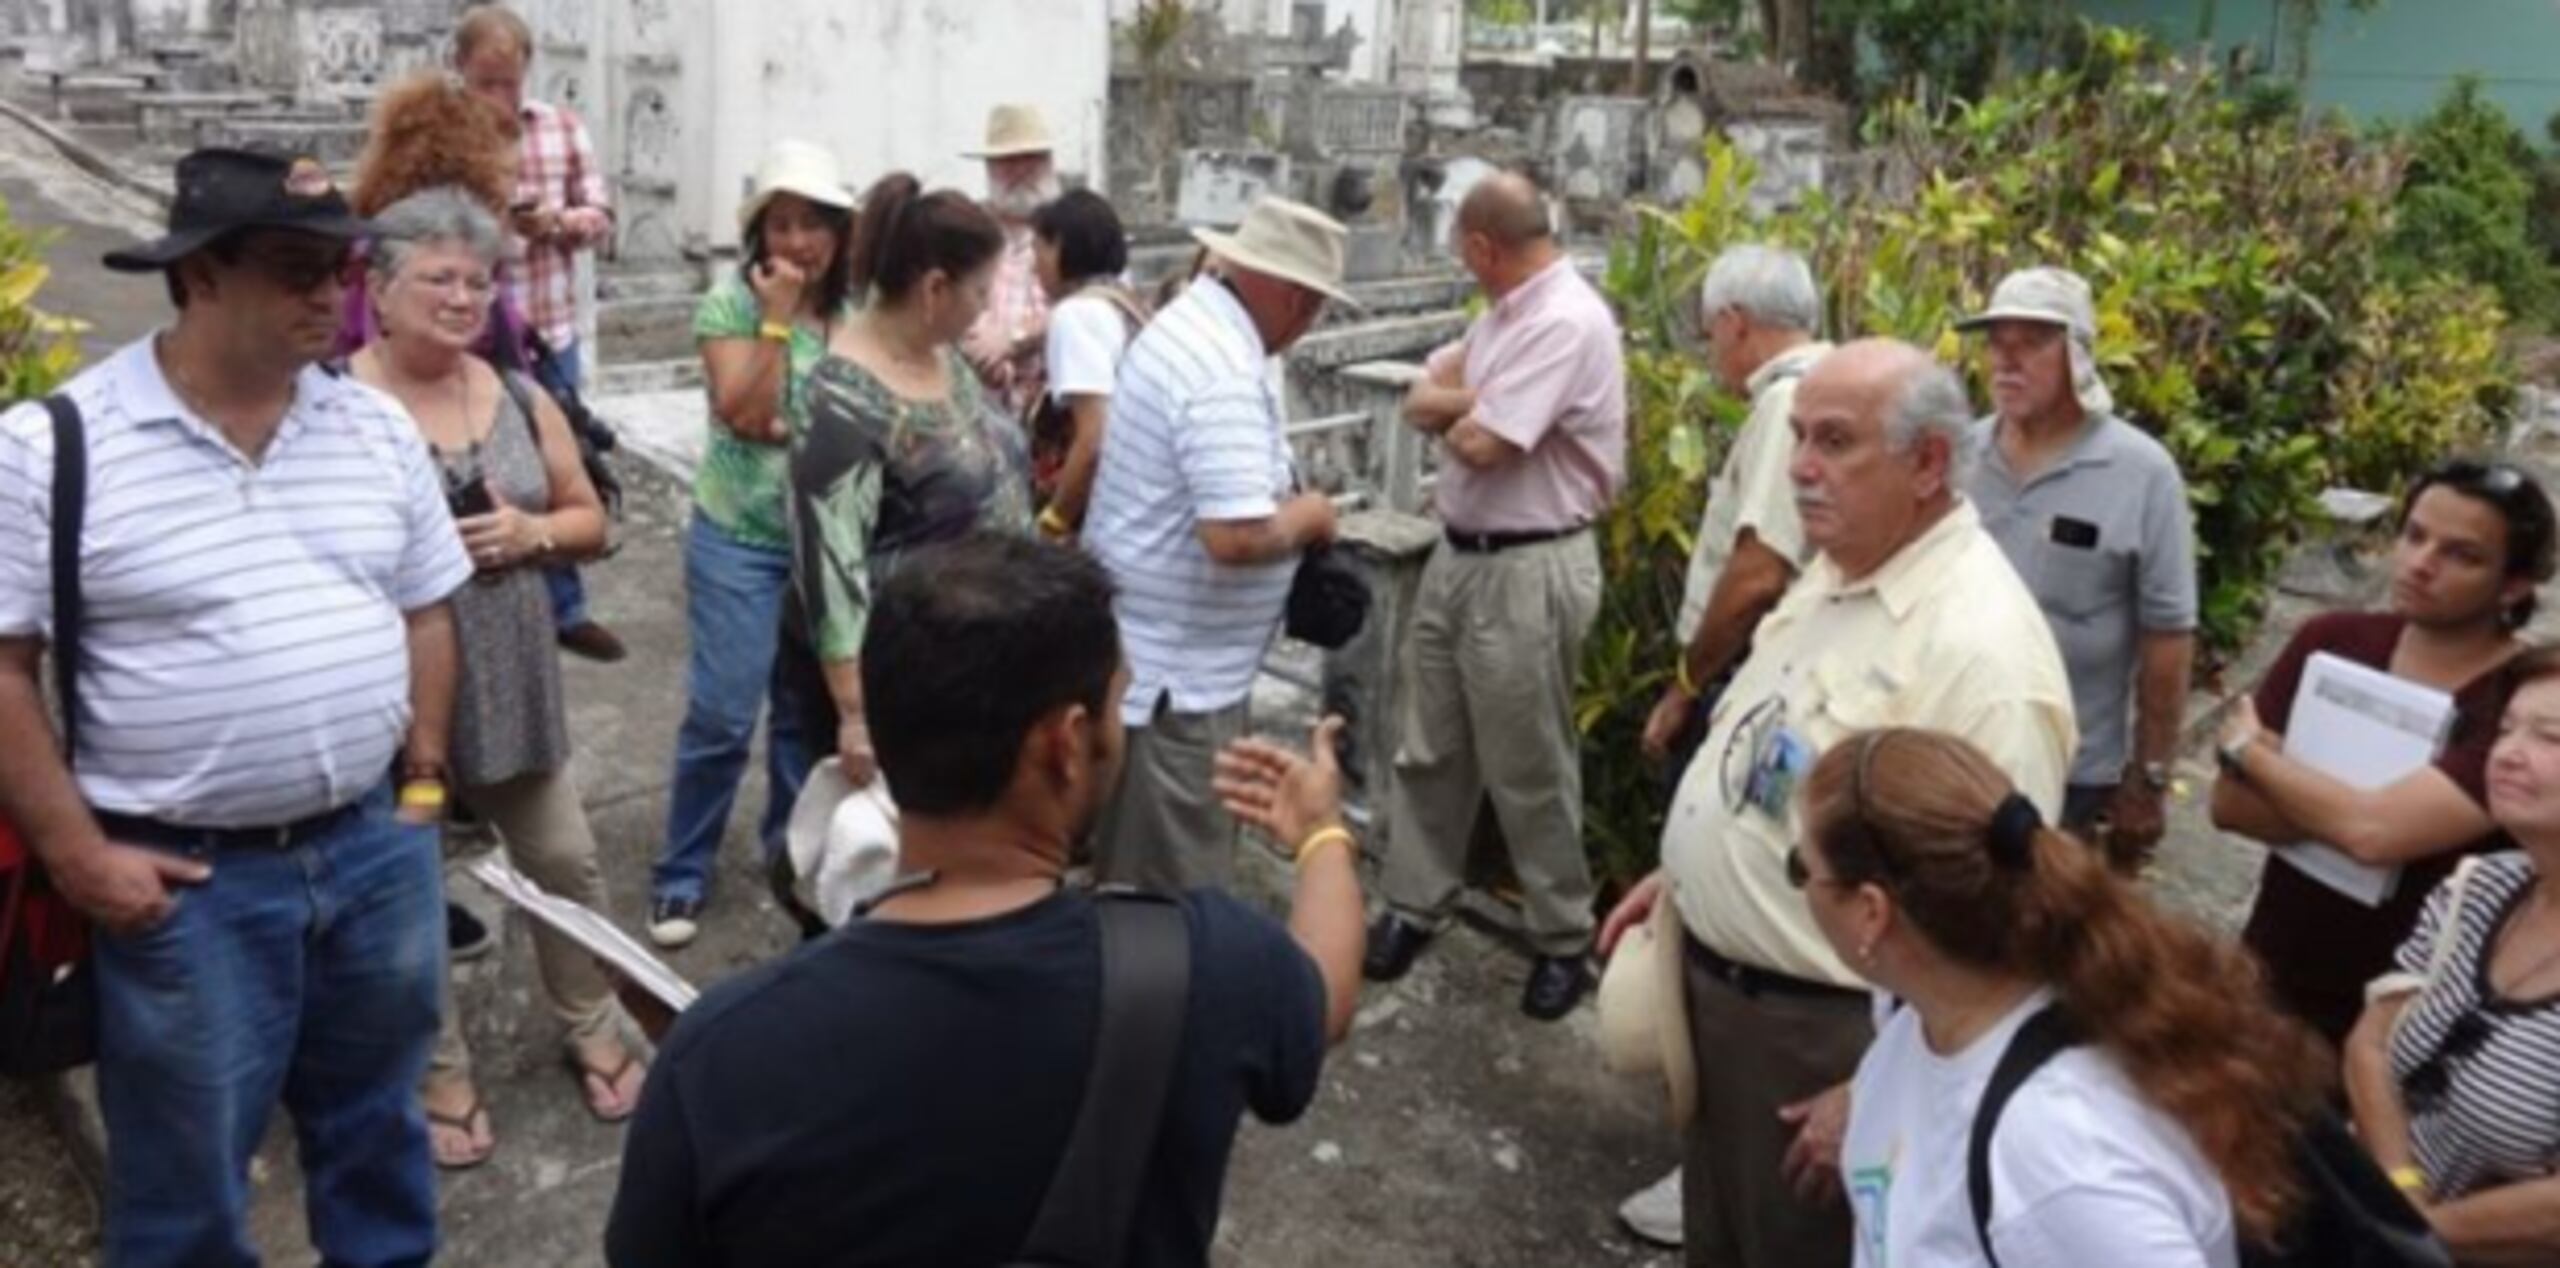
x: 1687, y: 688
x: 2409, y: 1179
x: 775, y: 331
x: 422, y: 794
x: 1054, y: 524
x: 1321, y: 838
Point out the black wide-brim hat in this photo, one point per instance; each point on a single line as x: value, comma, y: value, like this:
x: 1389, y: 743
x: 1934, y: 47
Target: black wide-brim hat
x: 224, y: 191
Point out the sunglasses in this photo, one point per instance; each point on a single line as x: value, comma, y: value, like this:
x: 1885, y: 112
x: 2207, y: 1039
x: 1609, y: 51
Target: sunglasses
x: 2497, y: 479
x: 300, y: 272
x: 1800, y: 876
x: 2427, y: 1085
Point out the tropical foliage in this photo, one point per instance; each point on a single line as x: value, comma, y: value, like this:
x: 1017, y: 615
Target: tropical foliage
x: 37, y: 351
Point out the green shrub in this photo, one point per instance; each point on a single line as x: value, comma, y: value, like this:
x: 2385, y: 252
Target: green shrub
x: 2246, y: 316
x: 36, y: 351
x: 2467, y: 207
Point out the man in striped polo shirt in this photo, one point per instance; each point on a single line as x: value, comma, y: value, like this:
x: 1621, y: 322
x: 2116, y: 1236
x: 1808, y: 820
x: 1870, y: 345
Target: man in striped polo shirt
x: 265, y: 560
x: 1531, y: 412
x: 1193, y: 514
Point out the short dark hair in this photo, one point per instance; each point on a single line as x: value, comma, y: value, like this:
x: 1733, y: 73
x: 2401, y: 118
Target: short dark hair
x: 1088, y: 235
x: 906, y: 233
x: 225, y: 250
x: 970, y: 643
x: 2533, y: 533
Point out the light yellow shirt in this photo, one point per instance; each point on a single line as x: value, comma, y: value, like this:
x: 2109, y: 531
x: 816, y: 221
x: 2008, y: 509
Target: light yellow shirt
x: 1943, y: 636
x: 1752, y: 489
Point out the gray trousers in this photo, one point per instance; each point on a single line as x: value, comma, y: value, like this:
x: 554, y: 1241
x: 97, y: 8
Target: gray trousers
x: 1164, y: 829
x: 1488, y: 717
x: 1755, y: 1055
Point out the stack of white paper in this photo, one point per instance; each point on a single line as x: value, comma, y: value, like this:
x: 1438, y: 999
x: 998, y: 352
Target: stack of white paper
x: 589, y: 929
x: 2366, y: 729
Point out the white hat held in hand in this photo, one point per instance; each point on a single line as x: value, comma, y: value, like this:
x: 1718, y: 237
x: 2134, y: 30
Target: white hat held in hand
x: 843, y: 842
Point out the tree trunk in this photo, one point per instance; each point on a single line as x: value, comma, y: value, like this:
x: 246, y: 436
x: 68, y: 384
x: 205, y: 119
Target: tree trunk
x: 1791, y: 32
x: 1638, y: 78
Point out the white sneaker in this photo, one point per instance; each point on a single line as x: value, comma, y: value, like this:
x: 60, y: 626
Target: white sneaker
x: 673, y: 922
x: 1654, y: 1213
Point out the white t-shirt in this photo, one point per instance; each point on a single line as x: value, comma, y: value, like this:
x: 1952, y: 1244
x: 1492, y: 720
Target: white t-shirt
x: 1087, y: 334
x: 2084, y: 1172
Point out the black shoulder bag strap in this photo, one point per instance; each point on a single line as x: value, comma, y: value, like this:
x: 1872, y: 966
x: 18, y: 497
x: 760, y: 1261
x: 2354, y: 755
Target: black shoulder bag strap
x: 1146, y: 989
x: 2038, y: 1041
x: 70, y: 513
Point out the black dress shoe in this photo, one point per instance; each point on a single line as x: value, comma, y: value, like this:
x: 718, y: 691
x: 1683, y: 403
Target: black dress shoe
x: 1393, y: 943
x: 1556, y: 984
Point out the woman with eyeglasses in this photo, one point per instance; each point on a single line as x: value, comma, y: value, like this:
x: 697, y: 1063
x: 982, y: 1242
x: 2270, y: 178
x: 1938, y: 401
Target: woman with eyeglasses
x: 2474, y: 541
x: 2454, y: 1070
x: 2160, y: 1139
x: 522, y: 500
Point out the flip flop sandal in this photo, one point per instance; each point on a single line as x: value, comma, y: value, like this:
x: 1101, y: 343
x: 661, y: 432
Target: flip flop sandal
x: 612, y: 1081
x: 478, y: 1115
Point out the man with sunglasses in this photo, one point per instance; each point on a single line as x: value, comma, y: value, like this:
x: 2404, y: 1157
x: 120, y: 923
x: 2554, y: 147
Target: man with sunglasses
x: 1908, y: 615
x: 266, y: 654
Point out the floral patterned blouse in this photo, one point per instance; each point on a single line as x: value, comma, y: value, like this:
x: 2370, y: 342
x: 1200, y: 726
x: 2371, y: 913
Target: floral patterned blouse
x: 877, y: 475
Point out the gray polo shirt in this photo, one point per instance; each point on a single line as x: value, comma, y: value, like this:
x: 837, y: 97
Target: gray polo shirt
x: 2102, y: 538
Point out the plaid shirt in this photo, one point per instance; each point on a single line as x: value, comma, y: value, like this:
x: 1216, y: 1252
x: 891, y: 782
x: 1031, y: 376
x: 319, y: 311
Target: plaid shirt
x: 557, y: 168
x: 1017, y: 307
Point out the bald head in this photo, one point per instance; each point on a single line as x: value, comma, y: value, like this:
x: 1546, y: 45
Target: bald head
x: 1506, y: 208
x: 1880, y: 432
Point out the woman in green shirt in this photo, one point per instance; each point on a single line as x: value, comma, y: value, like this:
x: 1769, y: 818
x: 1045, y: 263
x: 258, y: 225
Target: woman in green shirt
x: 761, y: 331
x: 904, y: 446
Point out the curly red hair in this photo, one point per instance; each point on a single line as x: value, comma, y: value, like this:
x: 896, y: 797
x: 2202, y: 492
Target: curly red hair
x: 429, y: 130
x: 2186, y: 1012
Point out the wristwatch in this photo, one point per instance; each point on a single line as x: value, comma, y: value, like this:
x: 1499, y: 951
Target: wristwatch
x: 2228, y: 753
x: 2155, y: 776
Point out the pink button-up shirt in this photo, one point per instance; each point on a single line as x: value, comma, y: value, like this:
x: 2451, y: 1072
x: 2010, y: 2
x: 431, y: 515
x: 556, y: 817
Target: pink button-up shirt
x: 1546, y: 367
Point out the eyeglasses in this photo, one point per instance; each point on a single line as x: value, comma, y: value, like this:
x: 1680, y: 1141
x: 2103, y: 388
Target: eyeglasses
x: 1799, y: 875
x: 2427, y: 1085
x: 471, y: 285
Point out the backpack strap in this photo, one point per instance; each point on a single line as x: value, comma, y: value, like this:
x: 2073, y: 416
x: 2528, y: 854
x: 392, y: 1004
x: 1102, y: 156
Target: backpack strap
x: 518, y: 392
x: 1146, y: 990
x: 70, y: 514
x: 2038, y: 1041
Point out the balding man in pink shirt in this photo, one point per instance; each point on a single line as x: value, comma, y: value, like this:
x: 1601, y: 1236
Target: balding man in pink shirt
x: 1531, y: 412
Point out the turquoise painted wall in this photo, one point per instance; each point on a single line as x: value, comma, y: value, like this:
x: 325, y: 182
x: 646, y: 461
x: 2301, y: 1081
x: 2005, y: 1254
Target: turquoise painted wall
x: 2394, y: 62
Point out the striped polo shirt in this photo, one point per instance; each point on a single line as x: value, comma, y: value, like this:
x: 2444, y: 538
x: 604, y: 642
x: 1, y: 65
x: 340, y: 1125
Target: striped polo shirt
x: 246, y: 659
x: 1194, y: 435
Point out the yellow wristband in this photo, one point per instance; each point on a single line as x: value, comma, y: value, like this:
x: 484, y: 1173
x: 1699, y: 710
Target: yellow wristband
x: 422, y: 794
x: 1681, y: 675
x: 2409, y: 1179
x: 1054, y: 524
x: 1322, y: 837
x: 775, y: 331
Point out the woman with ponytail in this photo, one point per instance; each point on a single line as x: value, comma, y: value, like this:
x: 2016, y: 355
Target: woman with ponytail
x: 2162, y: 1141
x: 904, y: 446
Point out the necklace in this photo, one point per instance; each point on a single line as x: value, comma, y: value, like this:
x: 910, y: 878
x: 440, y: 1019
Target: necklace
x: 907, y: 883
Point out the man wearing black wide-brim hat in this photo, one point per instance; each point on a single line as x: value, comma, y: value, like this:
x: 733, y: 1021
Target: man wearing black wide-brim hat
x: 265, y: 666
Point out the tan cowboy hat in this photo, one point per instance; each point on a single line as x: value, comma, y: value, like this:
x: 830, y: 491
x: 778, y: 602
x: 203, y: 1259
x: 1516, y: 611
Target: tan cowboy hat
x: 796, y: 167
x: 1290, y: 241
x: 1644, y: 1012
x: 1013, y: 130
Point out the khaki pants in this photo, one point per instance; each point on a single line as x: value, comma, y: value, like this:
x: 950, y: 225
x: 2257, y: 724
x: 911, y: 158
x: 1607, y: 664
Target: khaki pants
x: 1164, y: 829
x: 1757, y: 1053
x: 1489, y: 674
x: 544, y: 829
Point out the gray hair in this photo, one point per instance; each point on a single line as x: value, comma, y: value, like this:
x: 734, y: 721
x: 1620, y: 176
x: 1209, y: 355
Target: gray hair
x: 1932, y: 401
x: 442, y: 215
x: 1770, y: 285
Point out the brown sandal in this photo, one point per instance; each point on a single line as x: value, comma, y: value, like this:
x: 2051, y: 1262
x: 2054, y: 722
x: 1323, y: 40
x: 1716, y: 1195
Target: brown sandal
x: 469, y: 1124
x: 612, y: 1080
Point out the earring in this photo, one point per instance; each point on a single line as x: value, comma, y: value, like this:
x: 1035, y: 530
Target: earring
x: 1867, y: 953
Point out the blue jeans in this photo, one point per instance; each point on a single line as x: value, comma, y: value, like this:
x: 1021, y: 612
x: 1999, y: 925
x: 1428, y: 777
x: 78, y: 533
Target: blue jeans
x: 732, y: 612
x: 568, y: 590
x: 308, y: 975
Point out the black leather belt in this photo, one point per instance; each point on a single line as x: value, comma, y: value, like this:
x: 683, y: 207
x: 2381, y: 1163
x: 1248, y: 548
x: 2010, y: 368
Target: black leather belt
x: 137, y: 830
x: 1751, y: 981
x: 1495, y: 543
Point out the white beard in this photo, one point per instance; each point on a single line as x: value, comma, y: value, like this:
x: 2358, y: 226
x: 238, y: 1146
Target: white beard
x: 1020, y: 202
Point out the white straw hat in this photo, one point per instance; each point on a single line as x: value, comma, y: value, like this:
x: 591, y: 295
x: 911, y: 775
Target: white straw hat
x: 1013, y: 130
x: 796, y: 167
x: 1644, y: 1017
x: 1290, y: 241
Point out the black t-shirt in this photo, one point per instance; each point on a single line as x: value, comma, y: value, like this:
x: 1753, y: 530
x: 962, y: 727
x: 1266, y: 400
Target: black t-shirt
x: 899, y: 1094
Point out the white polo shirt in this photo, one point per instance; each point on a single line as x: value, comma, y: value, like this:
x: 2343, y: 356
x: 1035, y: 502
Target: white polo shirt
x: 245, y: 657
x: 1194, y: 435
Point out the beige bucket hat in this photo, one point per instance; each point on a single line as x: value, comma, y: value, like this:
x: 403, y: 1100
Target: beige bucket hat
x: 796, y: 167
x: 1013, y: 130
x: 1287, y: 240
x: 1644, y: 1014
x: 2054, y: 297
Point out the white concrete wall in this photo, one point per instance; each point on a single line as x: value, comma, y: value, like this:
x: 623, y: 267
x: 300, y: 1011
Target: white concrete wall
x: 896, y: 84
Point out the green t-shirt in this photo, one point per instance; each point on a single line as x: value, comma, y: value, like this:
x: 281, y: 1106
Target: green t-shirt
x: 739, y: 486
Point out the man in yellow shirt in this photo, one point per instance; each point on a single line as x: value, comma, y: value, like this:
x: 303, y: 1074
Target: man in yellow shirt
x: 1910, y: 615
